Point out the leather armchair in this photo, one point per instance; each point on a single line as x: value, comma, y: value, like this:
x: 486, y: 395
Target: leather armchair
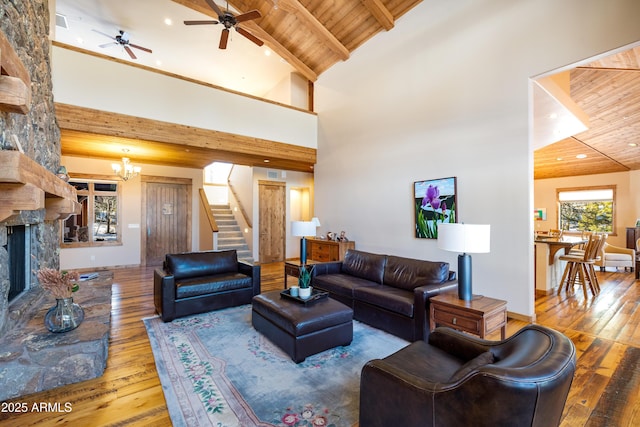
x: 197, y: 282
x: 460, y: 380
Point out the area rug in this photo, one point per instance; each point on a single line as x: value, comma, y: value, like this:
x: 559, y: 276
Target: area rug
x: 216, y: 370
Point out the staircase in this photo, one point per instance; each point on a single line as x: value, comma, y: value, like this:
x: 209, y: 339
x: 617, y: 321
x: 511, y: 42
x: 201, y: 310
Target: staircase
x: 230, y: 235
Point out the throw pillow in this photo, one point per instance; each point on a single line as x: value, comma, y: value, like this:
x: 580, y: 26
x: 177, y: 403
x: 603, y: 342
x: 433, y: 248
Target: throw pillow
x: 473, y: 364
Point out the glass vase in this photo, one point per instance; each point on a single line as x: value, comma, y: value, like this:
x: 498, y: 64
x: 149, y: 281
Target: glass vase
x: 64, y: 316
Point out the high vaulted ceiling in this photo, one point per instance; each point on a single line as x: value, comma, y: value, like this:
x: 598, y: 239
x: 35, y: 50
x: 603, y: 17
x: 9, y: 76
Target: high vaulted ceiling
x: 302, y: 36
x: 608, y: 91
x: 305, y: 36
x: 309, y: 37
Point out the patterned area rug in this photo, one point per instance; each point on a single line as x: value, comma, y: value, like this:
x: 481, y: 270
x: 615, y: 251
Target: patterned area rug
x: 216, y: 370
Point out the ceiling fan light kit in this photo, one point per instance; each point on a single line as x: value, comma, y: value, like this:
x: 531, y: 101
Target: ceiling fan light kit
x: 122, y: 39
x: 229, y: 20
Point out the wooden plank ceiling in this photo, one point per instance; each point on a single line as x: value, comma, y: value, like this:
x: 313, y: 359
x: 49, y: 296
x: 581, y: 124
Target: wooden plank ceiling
x: 608, y: 91
x: 311, y: 35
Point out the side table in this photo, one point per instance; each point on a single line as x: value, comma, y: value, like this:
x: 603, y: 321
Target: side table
x: 480, y: 316
x: 292, y: 268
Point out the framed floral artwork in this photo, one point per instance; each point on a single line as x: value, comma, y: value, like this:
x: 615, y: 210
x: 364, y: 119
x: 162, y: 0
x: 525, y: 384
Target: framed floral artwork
x: 434, y: 202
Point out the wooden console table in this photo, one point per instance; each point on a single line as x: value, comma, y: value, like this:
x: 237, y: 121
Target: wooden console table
x: 480, y: 316
x: 327, y: 250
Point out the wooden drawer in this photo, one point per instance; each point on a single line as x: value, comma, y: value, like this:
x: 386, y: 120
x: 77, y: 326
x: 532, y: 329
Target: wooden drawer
x: 327, y: 250
x: 324, y: 252
x: 458, y: 319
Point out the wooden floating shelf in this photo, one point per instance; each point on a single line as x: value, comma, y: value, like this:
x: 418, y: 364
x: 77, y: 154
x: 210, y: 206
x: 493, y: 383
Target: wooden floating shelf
x: 15, y: 83
x: 27, y: 185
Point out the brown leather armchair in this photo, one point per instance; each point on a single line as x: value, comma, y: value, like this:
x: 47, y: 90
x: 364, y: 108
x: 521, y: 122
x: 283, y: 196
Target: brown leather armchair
x: 198, y: 282
x: 459, y: 380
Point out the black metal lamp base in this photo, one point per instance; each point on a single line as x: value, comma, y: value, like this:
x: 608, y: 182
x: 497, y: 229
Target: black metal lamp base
x: 464, y: 277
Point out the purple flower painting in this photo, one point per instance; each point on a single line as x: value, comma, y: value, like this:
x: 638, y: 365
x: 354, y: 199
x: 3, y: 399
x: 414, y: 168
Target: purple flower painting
x: 435, y: 203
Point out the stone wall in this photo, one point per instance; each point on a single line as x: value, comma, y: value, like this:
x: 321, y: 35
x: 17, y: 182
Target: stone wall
x: 25, y: 24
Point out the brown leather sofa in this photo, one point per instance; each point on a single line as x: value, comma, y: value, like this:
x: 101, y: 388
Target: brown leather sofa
x: 460, y: 380
x: 388, y: 292
x: 197, y: 282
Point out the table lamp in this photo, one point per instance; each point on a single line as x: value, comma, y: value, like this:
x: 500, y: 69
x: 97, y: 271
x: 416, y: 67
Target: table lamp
x: 465, y: 239
x: 302, y: 229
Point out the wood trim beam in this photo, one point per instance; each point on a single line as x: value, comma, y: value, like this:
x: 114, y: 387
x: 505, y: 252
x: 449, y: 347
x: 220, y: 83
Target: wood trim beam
x: 90, y: 121
x: 255, y: 29
x: 380, y: 12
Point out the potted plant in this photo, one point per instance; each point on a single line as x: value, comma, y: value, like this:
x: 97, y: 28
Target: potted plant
x: 304, y: 280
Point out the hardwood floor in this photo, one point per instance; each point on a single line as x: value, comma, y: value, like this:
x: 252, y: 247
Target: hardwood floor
x: 606, y: 331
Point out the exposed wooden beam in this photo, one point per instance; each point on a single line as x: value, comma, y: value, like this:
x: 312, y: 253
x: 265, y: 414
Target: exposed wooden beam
x: 15, y: 83
x: 380, y: 12
x: 316, y: 27
x: 15, y: 95
x: 202, y: 7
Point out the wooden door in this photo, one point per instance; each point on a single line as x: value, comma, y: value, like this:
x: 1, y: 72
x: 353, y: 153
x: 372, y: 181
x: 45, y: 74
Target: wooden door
x: 272, y: 205
x: 166, y: 215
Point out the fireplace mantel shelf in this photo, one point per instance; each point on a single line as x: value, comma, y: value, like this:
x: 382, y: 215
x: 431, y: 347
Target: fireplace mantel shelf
x: 15, y: 83
x: 27, y: 185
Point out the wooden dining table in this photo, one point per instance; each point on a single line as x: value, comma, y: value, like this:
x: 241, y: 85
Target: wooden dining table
x: 548, y: 268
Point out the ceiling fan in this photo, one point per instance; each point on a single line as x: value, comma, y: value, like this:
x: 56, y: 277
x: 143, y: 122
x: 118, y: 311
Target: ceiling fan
x: 122, y: 39
x: 229, y: 20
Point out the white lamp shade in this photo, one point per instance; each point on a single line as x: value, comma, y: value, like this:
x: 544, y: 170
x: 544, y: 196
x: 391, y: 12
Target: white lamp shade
x: 303, y: 228
x: 316, y: 221
x: 464, y: 238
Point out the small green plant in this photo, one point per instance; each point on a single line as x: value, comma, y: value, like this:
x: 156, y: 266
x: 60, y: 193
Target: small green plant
x: 305, y: 276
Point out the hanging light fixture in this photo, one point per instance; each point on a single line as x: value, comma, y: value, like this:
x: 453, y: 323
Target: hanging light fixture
x: 126, y: 170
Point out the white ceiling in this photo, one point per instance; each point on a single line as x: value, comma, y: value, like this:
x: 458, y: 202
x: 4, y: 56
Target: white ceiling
x: 190, y: 51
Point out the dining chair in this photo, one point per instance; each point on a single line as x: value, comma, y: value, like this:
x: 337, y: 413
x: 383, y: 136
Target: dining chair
x: 580, y: 267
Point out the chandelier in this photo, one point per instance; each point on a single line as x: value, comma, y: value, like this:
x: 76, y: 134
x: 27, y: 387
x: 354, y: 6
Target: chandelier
x: 126, y: 170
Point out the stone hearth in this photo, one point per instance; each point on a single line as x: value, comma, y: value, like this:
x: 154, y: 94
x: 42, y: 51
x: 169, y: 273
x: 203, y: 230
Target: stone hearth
x: 32, y: 359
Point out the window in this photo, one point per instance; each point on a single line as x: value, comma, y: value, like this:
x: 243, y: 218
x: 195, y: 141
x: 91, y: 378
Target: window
x: 98, y: 223
x: 587, y: 209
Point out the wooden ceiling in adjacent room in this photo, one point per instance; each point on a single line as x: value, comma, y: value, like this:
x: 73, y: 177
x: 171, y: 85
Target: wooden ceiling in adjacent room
x: 608, y: 91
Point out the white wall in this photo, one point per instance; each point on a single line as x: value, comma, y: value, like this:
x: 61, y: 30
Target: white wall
x: 446, y: 93
x: 92, y: 82
x: 128, y: 254
x: 626, y: 200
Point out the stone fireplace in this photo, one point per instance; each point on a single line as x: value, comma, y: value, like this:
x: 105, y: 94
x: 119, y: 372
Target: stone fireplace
x: 32, y: 201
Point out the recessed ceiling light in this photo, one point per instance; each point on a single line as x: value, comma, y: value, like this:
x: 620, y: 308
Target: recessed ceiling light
x: 80, y: 40
x: 633, y: 144
x: 559, y: 159
x: 168, y: 21
x: 267, y: 52
x: 581, y: 156
x: 553, y: 115
x: 266, y: 160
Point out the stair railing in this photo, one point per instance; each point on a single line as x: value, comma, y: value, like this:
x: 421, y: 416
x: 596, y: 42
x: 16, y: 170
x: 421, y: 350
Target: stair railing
x: 207, y: 208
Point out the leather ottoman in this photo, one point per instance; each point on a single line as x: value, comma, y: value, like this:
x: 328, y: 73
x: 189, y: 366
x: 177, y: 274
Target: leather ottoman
x: 302, y: 330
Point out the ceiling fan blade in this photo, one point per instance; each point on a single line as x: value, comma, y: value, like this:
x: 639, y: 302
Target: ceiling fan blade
x: 130, y: 52
x: 200, y: 22
x: 215, y: 7
x: 252, y: 14
x: 140, y: 47
x: 104, y: 34
x: 224, y: 37
x: 249, y: 36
